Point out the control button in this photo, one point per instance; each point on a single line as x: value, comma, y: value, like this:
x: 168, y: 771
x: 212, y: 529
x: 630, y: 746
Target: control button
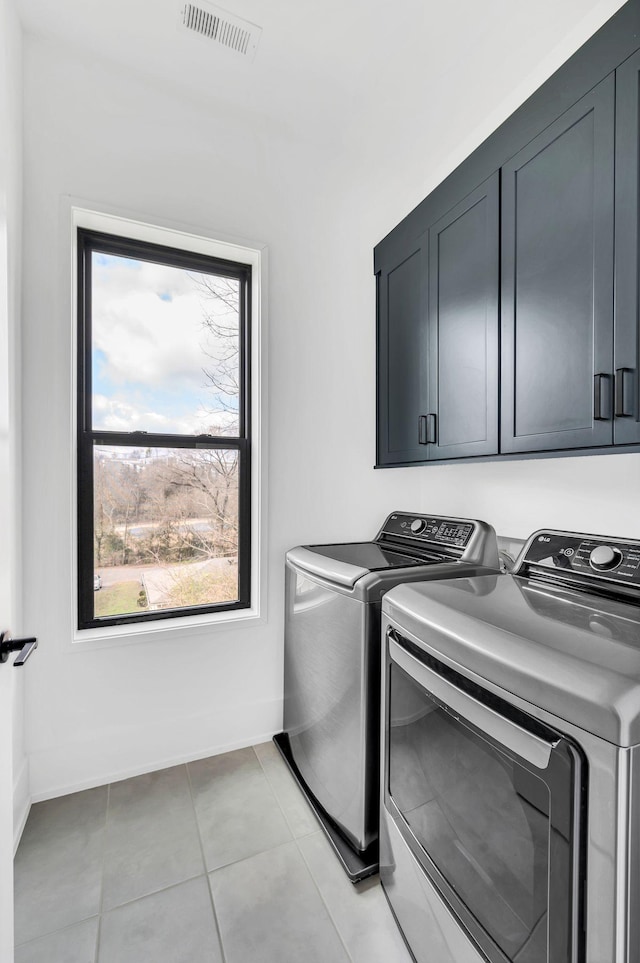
x: 603, y: 558
x: 417, y: 525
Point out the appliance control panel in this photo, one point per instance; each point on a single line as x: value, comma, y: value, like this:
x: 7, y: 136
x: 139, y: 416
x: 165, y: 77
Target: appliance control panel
x: 588, y: 556
x: 429, y: 528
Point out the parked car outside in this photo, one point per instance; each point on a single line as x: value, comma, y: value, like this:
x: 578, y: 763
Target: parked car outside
x: 97, y: 583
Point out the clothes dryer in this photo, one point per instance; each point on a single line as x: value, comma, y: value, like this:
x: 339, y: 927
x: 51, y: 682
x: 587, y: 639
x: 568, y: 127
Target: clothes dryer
x: 510, y: 817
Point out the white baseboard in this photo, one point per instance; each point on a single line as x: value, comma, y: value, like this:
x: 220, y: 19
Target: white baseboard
x: 151, y: 766
x: 21, y: 803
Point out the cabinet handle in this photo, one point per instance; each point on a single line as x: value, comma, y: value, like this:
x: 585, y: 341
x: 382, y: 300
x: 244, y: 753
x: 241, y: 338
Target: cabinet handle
x: 431, y: 429
x: 623, y: 386
x: 600, y: 398
x: 427, y: 430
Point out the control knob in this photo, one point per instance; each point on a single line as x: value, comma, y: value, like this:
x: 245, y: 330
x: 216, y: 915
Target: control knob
x: 417, y: 525
x: 604, y: 557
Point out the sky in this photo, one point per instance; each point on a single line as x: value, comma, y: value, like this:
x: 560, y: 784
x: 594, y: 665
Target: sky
x: 150, y: 346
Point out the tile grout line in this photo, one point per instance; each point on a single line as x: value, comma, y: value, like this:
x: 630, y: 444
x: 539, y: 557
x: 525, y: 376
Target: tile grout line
x: 204, y: 866
x: 302, y: 856
x: 102, y: 874
x: 274, y: 793
x: 294, y: 836
x: 245, y: 859
x: 155, y: 892
x: 62, y: 929
x: 324, y: 902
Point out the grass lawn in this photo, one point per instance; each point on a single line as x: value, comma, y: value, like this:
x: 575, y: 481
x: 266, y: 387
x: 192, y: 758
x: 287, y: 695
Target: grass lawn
x: 117, y: 599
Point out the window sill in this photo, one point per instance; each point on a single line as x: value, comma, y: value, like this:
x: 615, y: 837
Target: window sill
x: 164, y: 630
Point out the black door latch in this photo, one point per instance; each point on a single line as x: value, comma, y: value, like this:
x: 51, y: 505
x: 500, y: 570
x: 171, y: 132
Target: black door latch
x: 24, y: 646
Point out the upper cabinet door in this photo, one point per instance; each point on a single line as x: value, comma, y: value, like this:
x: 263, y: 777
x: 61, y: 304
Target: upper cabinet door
x: 402, y: 375
x: 557, y: 282
x: 464, y: 268
x: 626, y: 349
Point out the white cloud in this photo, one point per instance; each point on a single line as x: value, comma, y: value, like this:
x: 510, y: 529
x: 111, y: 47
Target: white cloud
x: 147, y: 340
x: 115, y: 414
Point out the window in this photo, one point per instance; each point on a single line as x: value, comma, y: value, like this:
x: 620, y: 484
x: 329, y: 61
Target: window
x: 164, y: 379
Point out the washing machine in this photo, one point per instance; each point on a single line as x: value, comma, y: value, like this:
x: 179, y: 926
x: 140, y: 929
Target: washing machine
x: 510, y: 789
x: 333, y: 594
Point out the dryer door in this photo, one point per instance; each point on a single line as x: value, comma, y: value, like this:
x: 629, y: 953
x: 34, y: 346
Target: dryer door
x: 489, y: 801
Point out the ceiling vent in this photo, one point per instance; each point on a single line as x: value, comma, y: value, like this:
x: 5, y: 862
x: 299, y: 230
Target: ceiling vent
x: 212, y: 23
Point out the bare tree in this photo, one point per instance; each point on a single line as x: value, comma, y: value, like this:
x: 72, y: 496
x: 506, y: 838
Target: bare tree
x: 221, y: 321
x: 99, y: 513
x: 209, y: 480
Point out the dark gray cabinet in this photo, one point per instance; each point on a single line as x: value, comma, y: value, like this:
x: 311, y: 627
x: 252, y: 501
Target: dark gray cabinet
x: 463, y: 327
x: 557, y: 282
x: 627, y: 217
x: 438, y: 337
x: 402, y: 351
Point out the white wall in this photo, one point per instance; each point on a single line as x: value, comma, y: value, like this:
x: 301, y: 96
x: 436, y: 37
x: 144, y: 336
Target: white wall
x: 410, y: 144
x: 596, y: 494
x: 116, y: 139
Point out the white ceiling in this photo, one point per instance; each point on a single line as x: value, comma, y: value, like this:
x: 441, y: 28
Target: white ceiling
x: 325, y: 66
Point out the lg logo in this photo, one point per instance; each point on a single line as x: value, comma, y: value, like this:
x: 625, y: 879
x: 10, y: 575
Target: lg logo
x: 544, y: 538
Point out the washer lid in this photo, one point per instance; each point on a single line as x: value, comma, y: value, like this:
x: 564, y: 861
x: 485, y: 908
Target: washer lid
x: 345, y: 563
x: 567, y: 652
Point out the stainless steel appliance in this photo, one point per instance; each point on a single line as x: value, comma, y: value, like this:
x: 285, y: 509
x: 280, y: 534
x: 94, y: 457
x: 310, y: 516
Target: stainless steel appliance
x: 510, y: 818
x: 332, y: 662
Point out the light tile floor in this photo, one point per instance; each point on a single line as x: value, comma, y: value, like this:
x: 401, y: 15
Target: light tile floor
x: 218, y: 861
